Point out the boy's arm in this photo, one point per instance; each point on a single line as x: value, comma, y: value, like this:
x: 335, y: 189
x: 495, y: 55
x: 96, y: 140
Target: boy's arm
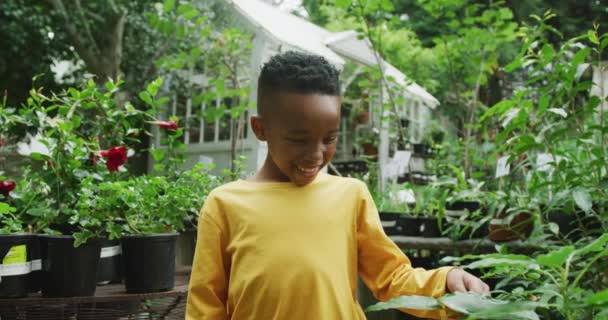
x: 208, y: 289
x: 385, y: 269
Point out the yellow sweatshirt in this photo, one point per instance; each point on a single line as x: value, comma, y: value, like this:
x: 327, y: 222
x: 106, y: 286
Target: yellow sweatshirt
x: 270, y: 251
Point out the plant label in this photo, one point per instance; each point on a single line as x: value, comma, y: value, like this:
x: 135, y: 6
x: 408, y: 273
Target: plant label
x: 502, y: 167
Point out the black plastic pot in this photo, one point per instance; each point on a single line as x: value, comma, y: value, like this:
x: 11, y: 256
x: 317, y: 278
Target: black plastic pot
x: 69, y: 271
x: 422, y: 149
x: 574, y: 226
x: 149, y: 262
x: 35, y: 254
x: 16, y: 268
x: 463, y: 205
x: 390, y: 223
x: 429, y: 227
x: 410, y: 226
x: 110, y: 268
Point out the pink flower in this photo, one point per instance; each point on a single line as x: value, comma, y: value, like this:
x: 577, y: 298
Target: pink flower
x: 115, y: 157
x: 169, y: 125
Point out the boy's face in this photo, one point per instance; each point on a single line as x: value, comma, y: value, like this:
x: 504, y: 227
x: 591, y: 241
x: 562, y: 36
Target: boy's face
x: 301, y: 131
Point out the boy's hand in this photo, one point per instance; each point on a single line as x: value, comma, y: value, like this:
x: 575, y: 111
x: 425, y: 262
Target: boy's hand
x: 460, y: 280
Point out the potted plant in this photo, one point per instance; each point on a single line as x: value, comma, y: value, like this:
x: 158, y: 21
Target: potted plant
x: 16, y: 248
x: 465, y: 207
x: 394, y: 208
x: 152, y: 212
x: 368, y: 141
x: 513, y: 216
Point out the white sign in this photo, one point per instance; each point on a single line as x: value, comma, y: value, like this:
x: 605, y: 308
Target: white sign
x: 502, y: 167
x: 398, y: 164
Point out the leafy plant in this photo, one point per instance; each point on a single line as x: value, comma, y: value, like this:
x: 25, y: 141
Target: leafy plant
x: 463, y: 306
x: 561, y: 281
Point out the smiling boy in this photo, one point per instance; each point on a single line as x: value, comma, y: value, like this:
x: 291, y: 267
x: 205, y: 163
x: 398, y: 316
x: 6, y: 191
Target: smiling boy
x: 289, y: 242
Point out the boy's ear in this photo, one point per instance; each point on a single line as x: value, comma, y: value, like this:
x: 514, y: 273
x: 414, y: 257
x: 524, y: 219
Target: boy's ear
x: 257, y: 125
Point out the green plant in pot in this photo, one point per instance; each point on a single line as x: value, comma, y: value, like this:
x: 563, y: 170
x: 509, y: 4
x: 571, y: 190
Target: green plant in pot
x: 430, y: 209
x: 150, y: 212
x: 73, y: 137
x: 465, y: 206
x: 15, y: 248
x: 514, y: 214
x: 559, y: 115
x: 394, y: 208
x: 563, y: 282
x: 368, y: 141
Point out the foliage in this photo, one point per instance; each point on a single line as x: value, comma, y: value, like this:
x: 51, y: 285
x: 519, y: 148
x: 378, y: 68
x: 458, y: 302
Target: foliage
x: 560, y: 280
x: 552, y: 118
x: 64, y: 136
x: 146, y: 204
x: 463, y: 306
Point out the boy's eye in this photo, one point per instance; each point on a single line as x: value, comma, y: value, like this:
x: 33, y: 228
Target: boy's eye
x: 296, y: 140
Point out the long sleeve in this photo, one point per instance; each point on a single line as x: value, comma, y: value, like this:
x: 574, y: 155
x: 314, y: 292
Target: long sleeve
x: 207, y: 294
x: 385, y: 269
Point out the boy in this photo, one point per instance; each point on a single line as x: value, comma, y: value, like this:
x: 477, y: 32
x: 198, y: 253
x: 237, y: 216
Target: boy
x: 289, y: 242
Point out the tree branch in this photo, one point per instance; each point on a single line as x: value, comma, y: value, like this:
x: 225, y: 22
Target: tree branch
x: 86, y: 26
x: 79, y: 44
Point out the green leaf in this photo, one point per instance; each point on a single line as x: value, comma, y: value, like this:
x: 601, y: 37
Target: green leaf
x: 580, y: 57
x: 543, y: 103
x: 514, y: 64
x: 406, y: 302
x: 598, y: 298
x: 482, y: 307
x: 500, y: 260
x: 597, y: 245
x: 593, y: 37
x: 499, y: 108
x: 387, y: 6
x: 168, y: 6
x: 547, y: 52
x: 555, y: 258
x: 344, y: 4
x: 145, y: 97
x: 184, y: 8
x: 582, y: 199
x: 6, y: 208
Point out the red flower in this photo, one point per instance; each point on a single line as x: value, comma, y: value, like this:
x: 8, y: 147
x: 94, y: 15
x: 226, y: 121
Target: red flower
x: 169, y: 125
x: 7, y: 186
x: 115, y: 157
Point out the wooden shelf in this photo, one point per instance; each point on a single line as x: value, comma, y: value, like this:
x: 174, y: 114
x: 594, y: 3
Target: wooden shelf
x: 469, y: 246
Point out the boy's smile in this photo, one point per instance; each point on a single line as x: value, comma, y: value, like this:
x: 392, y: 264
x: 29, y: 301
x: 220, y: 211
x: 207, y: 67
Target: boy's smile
x: 301, y: 131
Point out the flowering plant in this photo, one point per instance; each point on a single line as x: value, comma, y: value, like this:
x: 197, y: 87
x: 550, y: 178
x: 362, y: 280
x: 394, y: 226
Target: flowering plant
x: 66, y: 134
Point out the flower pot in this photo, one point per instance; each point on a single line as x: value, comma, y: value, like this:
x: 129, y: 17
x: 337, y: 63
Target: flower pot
x: 363, y: 117
x: 69, y: 271
x: 15, y: 265
x: 410, y: 226
x: 573, y: 226
x: 390, y: 223
x: 110, y: 262
x: 429, y: 227
x: 422, y: 149
x: 519, y: 227
x: 36, y: 258
x: 370, y: 150
x: 463, y: 205
x: 149, y: 262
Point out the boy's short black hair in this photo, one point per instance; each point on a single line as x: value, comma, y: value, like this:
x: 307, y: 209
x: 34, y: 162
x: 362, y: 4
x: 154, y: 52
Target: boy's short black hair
x: 297, y: 72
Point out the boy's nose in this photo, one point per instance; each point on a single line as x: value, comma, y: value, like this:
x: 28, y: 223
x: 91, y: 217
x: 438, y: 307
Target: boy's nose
x: 316, y: 153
